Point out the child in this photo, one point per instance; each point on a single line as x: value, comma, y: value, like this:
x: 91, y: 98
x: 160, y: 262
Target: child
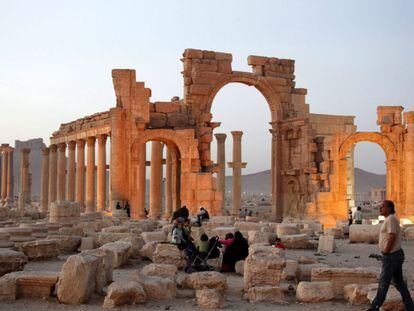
x: 279, y: 244
x: 202, y: 245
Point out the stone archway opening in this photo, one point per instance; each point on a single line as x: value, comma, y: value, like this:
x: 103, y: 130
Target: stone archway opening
x: 249, y: 112
x: 367, y: 187
x: 346, y: 166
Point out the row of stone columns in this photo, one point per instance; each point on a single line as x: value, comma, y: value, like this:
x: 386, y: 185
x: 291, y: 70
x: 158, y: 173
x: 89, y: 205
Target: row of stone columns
x: 156, y: 181
x: 6, y: 188
x: 64, y: 178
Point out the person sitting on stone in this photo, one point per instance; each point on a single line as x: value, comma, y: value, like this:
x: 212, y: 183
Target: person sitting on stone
x: 228, y: 239
x: 202, y: 215
x: 238, y: 250
x: 179, y: 237
x: 118, y: 206
x: 279, y: 244
x: 202, y: 245
x: 181, y: 212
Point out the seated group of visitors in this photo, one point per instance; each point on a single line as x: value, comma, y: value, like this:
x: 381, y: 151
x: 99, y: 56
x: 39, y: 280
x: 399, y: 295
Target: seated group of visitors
x: 235, y: 247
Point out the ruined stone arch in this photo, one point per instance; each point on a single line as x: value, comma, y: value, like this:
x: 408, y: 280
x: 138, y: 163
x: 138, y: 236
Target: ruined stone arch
x: 377, y: 138
x: 249, y: 79
x: 391, y: 154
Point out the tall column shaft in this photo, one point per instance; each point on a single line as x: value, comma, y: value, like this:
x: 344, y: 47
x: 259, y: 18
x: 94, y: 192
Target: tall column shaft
x: 70, y: 195
x: 52, y: 173
x: 277, y: 203
x: 44, y: 181
x: 101, y: 174
x: 90, y: 176
x: 237, y: 165
x: 168, y: 185
x: 138, y: 211
x: 80, y: 172
x: 24, y: 176
x: 4, y: 157
x: 10, y: 186
x: 221, y: 162
x: 156, y: 180
x: 61, y: 172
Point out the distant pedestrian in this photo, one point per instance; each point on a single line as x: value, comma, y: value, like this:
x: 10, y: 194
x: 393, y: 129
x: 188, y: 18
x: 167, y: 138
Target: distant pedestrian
x: 392, y: 259
x: 358, y: 216
x: 350, y: 217
x: 127, y: 209
x: 118, y: 206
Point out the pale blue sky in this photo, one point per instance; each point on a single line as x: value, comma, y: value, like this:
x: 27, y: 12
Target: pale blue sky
x: 56, y: 58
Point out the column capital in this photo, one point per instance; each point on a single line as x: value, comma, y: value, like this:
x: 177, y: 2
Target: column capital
x: 72, y: 145
x: 53, y: 148
x: 80, y: 143
x: 45, y: 151
x: 62, y: 147
x: 25, y: 150
x: 237, y: 134
x: 220, y: 137
x: 10, y: 150
x: 91, y: 141
x: 102, y: 139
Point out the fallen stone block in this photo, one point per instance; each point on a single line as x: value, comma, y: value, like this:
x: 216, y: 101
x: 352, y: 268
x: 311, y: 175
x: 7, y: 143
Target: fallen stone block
x: 161, y: 270
x: 209, y: 298
x: 295, y: 241
x: 147, y: 251
x: 155, y: 287
x: 326, y: 244
x: 314, y: 292
x: 104, y: 268
x: 356, y: 294
x: 137, y: 243
x: 11, y: 261
x: 40, y: 249
x: 116, y: 229
x: 77, y: 279
x: 259, y: 237
x: 169, y: 254
x: 207, y: 279
x: 121, y: 251
x: 335, y: 232
x: 123, y: 293
x: 67, y: 244
x: 287, y: 229
x: 339, y: 277
x: 156, y: 236
x: 36, y: 284
x: 290, y: 271
x: 87, y: 243
x: 263, y: 266
x: 272, y: 294
x: 364, y: 233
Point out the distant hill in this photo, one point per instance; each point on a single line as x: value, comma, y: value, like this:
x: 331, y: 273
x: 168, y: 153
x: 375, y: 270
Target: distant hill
x: 261, y: 182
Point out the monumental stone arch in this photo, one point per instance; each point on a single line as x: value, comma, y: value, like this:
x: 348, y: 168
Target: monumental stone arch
x: 311, y: 153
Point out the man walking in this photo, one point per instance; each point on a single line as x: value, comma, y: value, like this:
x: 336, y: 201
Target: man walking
x: 392, y: 259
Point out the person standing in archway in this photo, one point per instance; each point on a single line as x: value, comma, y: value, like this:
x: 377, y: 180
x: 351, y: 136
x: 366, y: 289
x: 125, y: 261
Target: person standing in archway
x: 392, y: 259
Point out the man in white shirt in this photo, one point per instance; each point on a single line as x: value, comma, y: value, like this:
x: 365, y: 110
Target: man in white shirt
x: 358, y: 216
x: 392, y: 259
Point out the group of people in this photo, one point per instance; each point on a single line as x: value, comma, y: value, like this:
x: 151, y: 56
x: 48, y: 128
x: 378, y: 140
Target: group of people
x: 234, y: 247
x: 126, y: 208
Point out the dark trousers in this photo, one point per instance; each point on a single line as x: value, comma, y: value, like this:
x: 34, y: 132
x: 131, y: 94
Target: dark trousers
x: 392, y: 271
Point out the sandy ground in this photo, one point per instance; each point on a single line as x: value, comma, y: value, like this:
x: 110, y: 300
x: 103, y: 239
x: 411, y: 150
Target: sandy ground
x: 347, y: 255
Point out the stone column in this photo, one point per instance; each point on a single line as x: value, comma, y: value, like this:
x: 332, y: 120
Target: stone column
x: 61, y: 172
x: 236, y: 165
x: 101, y: 174
x: 168, y: 185
x: 277, y: 204
x: 90, y: 176
x: 24, y: 177
x: 44, y: 181
x: 80, y: 172
x: 10, y: 186
x: 3, y: 173
x: 142, y: 170
x: 156, y: 180
x: 408, y: 165
x: 70, y: 195
x: 52, y: 173
x: 221, y: 162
